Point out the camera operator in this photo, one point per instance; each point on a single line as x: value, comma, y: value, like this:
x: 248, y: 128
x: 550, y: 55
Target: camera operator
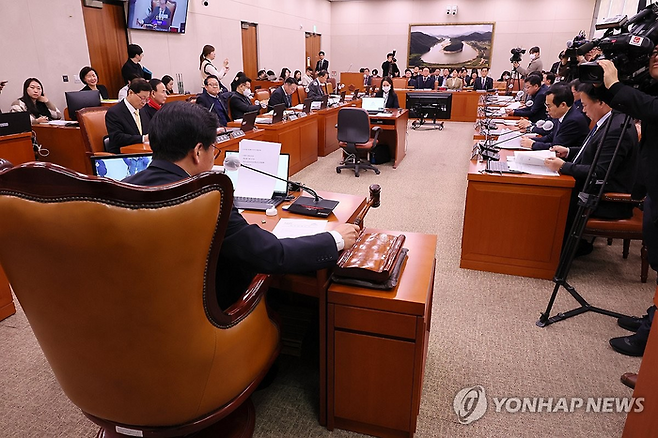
x: 535, y: 64
x: 644, y: 107
x: 390, y: 67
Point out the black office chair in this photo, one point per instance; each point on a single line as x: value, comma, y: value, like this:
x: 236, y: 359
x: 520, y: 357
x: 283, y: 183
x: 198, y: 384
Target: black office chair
x: 354, y: 137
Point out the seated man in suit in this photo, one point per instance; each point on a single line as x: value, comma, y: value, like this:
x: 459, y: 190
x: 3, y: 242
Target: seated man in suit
x: 367, y: 79
x: 576, y: 161
x: 315, y: 91
x: 425, y: 81
x: 156, y: 100
x: 536, y: 92
x: 183, y: 139
x: 126, y: 122
x: 283, y: 94
x: 570, y: 127
x: 210, y: 99
x: 240, y: 100
x: 408, y: 75
x: 483, y: 82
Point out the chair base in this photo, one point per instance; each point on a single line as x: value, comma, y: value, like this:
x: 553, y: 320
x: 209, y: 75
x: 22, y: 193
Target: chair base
x: 239, y: 424
x: 356, y: 164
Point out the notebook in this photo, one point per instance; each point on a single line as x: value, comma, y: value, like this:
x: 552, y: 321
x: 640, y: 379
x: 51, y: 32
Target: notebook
x: 280, y: 188
x: 15, y: 123
x: 118, y: 167
x: 373, y: 105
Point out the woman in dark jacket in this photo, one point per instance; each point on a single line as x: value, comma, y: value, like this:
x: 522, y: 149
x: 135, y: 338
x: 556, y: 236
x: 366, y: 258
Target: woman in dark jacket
x: 89, y: 77
x: 386, y: 91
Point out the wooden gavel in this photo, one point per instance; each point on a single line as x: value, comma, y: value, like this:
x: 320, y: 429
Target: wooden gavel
x: 374, y: 201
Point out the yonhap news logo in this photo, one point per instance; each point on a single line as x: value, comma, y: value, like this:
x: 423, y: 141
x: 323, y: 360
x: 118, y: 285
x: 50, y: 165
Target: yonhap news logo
x: 470, y: 404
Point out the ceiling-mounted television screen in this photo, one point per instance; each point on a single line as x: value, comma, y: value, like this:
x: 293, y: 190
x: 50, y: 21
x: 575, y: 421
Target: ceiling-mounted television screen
x: 158, y: 15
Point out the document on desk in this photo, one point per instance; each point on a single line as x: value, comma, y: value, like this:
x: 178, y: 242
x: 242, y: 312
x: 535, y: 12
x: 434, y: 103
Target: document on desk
x: 514, y: 105
x: 532, y: 162
x: 261, y: 155
x: 383, y: 115
x: 62, y: 123
x: 299, y: 227
x: 509, y: 140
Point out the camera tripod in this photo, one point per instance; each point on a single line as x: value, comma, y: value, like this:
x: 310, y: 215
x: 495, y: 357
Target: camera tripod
x: 588, y: 200
x: 514, y: 82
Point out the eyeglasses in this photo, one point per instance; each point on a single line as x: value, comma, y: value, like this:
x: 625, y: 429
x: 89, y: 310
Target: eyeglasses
x: 217, y: 150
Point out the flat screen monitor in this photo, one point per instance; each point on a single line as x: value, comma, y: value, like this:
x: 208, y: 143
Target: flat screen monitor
x: 158, y: 15
x: 77, y: 100
x: 118, y: 167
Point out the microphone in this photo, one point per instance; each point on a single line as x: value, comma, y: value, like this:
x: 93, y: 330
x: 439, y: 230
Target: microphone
x: 547, y: 125
x: 211, y: 107
x: 529, y: 103
x: 233, y: 163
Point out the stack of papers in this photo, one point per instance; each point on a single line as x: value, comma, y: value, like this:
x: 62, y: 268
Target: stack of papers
x: 532, y: 162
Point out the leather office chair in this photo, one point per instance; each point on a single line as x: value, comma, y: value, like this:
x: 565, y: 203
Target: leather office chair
x: 262, y: 95
x: 399, y: 83
x: 93, y: 129
x: 301, y: 93
x: 626, y: 229
x: 354, y: 137
x: 127, y: 319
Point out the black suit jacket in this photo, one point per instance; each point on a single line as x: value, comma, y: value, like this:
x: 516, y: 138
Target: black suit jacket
x: 425, y: 84
x: 279, y: 96
x: 623, y: 171
x: 315, y: 90
x: 248, y: 249
x: 538, y: 109
x: 101, y: 89
x: 121, y: 127
x: 571, y: 132
x: 215, y: 105
x: 483, y: 83
x: 240, y: 105
x: 392, y: 101
x: 322, y: 64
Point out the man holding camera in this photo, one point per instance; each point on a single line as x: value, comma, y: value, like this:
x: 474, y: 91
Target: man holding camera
x: 642, y: 106
x: 389, y: 67
x: 534, y: 65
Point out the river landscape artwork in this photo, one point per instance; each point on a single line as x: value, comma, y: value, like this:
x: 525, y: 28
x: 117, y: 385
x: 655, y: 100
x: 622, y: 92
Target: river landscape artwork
x: 450, y: 45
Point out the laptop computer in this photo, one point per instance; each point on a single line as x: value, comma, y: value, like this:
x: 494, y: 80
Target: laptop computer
x: 276, y: 117
x: 118, y: 167
x: 373, y: 105
x: 342, y: 96
x: 280, y: 188
x: 324, y: 101
x: 15, y: 123
x: 307, y: 105
x: 248, y: 120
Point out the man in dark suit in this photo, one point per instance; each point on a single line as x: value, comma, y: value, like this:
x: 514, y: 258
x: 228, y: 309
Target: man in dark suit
x: 210, y: 98
x: 570, y: 126
x: 126, y: 122
x: 425, y: 81
x: 483, y: 82
x: 132, y: 67
x: 283, y: 94
x: 240, y: 100
x: 390, y: 67
x: 536, y: 92
x: 315, y: 87
x: 182, y: 139
x: 157, y: 98
x: 576, y: 161
x: 367, y: 79
x: 322, y: 64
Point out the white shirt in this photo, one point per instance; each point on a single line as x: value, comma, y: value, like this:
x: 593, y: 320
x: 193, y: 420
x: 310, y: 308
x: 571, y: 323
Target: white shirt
x: 123, y: 92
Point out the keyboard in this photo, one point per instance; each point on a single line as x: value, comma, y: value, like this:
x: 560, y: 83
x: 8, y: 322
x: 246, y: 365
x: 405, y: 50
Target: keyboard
x: 260, y: 204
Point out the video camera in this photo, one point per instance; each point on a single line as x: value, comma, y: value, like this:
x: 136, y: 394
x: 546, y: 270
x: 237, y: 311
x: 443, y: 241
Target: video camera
x: 628, y: 43
x: 394, y: 59
x: 516, y: 54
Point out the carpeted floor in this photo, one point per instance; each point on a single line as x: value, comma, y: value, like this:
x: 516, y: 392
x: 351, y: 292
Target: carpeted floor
x: 483, y: 325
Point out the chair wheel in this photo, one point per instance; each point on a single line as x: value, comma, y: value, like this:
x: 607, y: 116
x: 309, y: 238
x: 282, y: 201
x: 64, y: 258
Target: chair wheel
x: 337, y: 170
x: 356, y: 175
x: 377, y: 172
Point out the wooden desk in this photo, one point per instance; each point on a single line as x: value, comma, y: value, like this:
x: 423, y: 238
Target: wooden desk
x: 393, y: 133
x: 352, y: 81
x: 66, y: 147
x: 7, y: 307
x: 464, y: 103
x: 377, y: 346
x: 17, y: 148
x: 298, y: 138
x: 348, y: 208
x: 514, y: 224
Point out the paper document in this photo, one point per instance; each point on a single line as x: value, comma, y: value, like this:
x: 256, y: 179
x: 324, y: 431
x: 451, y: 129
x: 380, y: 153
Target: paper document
x: 514, y: 105
x: 509, y: 140
x: 261, y: 155
x: 531, y: 162
x: 316, y: 104
x: 383, y: 115
x: 299, y: 227
x: 62, y: 122
x: 298, y: 107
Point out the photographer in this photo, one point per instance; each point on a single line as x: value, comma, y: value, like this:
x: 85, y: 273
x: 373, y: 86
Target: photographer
x: 389, y: 67
x: 535, y: 64
x: 642, y: 106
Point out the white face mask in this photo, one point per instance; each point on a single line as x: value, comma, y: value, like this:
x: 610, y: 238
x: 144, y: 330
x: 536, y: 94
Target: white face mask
x: 532, y: 56
x: 247, y: 92
x: 386, y: 88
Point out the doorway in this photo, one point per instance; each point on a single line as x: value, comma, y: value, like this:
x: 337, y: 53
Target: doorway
x: 250, y: 49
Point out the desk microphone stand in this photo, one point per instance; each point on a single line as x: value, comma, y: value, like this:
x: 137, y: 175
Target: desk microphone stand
x: 588, y: 200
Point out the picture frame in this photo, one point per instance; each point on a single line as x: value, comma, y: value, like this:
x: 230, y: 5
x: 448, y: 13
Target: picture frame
x: 450, y: 45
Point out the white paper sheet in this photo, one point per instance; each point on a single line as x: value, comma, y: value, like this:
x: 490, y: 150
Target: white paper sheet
x: 62, y: 122
x: 261, y: 155
x: 299, y: 227
x: 522, y: 164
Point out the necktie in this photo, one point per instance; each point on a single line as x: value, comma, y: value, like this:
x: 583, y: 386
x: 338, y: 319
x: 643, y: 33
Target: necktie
x: 587, y: 139
x: 138, y: 121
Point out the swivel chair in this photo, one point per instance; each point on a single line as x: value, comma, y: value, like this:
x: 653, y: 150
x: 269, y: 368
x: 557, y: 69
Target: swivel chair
x: 124, y: 303
x: 354, y: 137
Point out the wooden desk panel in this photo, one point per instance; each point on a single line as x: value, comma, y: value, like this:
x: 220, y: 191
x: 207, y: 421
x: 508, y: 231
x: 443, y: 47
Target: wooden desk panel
x: 299, y: 138
x: 377, y: 345
x: 66, y: 147
x: 17, y: 148
x: 393, y: 133
x: 514, y: 224
x: 7, y: 307
x: 327, y: 132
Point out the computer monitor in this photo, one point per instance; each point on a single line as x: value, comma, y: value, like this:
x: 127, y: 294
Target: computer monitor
x: 15, y: 123
x: 77, y: 100
x: 118, y: 167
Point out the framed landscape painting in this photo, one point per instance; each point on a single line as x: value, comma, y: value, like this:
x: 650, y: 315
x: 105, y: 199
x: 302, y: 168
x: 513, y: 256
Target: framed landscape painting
x: 450, y: 45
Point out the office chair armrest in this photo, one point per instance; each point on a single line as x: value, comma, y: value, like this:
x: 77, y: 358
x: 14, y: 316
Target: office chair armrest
x: 376, y: 130
x: 250, y: 298
x: 621, y: 197
x: 5, y: 164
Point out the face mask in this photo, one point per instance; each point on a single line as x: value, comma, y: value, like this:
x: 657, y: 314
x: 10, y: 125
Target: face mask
x: 247, y: 92
x: 386, y: 88
x: 532, y: 57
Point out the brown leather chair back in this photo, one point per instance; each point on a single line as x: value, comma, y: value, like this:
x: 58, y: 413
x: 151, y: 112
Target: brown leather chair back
x: 262, y: 94
x: 399, y: 83
x: 301, y: 93
x: 93, y: 129
x: 124, y: 303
